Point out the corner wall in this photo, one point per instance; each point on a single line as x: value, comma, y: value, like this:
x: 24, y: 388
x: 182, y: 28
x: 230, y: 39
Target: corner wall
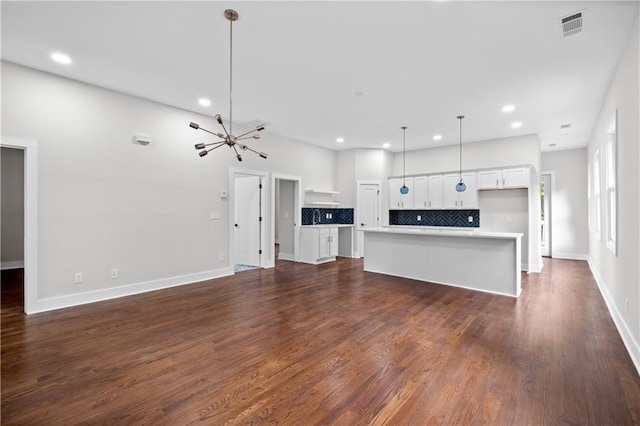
x: 618, y: 275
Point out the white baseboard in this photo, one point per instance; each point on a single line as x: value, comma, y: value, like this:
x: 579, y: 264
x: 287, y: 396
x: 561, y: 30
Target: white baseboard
x: 49, y: 304
x: 633, y: 348
x: 569, y: 256
x: 286, y: 256
x: 12, y: 264
x: 536, y: 269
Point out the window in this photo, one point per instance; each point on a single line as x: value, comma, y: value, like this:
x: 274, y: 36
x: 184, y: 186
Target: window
x: 597, y: 225
x: 611, y: 182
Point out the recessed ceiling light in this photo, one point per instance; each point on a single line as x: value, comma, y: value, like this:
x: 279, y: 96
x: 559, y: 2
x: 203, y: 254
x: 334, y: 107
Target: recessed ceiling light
x: 61, y: 58
x: 437, y: 137
x: 204, y: 102
x: 386, y: 145
x: 340, y: 140
x: 508, y: 108
x: 516, y: 124
x: 358, y: 93
x: 553, y: 144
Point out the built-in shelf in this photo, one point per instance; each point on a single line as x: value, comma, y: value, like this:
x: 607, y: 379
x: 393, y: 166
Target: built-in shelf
x: 325, y: 203
x: 316, y: 191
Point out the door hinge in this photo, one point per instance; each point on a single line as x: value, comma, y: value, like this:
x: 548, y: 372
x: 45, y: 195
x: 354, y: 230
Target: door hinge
x: 259, y: 186
x: 378, y: 192
x: 260, y: 219
x: 260, y: 251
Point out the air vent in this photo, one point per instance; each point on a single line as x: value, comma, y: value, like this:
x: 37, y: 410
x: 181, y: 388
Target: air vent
x: 565, y: 126
x: 571, y: 24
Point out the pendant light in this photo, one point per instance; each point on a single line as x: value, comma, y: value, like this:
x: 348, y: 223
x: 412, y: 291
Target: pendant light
x: 404, y: 189
x: 460, y: 186
x: 228, y: 138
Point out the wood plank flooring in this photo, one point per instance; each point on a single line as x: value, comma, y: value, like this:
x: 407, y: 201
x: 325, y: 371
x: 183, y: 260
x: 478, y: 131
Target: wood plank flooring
x: 327, y: 344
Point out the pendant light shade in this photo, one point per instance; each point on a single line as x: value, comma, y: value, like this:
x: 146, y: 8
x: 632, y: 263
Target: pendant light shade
x: 228, y: 138
x: 404, y: 189
x: 460, y: 186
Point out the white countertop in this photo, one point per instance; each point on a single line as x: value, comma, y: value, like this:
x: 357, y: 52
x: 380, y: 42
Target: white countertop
x: 328, y: 225
x: 448, y: 232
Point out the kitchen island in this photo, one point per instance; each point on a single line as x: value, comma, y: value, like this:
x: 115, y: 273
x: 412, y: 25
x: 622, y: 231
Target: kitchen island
x: 473, y: 259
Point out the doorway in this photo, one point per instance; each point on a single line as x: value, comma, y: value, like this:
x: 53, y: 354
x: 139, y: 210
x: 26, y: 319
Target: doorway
x: 29, y: 149
x: 286, y: 217
x: 546, y: 200
x: 368, y: 211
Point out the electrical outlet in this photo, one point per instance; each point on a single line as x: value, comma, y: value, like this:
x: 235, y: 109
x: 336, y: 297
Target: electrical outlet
x: 221, y: 257
x: 470, y: 219
x: 78, y: 278
x: 419, y: 218
x: 114, y: 273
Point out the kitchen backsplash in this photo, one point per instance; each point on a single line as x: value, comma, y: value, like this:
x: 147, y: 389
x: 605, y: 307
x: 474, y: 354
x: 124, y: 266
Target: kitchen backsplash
x: 328, y: 216
x: 454, y: 218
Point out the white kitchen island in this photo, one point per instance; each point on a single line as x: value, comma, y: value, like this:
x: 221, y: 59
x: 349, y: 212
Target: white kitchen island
x: 473, y: 259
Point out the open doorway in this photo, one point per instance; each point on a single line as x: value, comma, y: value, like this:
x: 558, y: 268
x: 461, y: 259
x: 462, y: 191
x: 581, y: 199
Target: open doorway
x: 12, y: 245
x: 286, y: 217
x: 546, y: 199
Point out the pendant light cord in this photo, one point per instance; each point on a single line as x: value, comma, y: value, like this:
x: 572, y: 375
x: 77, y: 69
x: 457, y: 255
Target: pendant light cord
x: 404, y: 155
x: 230, y: 76
x: 460, y: 117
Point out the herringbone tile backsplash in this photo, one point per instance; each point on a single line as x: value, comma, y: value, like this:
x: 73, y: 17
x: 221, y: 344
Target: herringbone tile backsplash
x: 455, y: 218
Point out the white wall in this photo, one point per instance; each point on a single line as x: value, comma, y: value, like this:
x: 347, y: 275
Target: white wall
x: 569, y: 218
x: 105, y: 202
x: 12, y: 214
x: 619, y: 275
x: 360, y: 164
x: 286, y: 217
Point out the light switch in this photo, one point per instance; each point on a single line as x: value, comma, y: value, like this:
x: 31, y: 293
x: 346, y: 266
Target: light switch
x: 470, y: 219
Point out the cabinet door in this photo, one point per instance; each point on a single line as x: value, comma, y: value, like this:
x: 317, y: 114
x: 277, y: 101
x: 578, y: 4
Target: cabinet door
x: 333, y: 242
x: 324, y: 244
x: 394, y: 193
x: 469, y: 198
x: 515, y: 178
x: 489, y: 179
x: 420, y: 199
x: 450, y: 195
x: 398, y: 200
x: 434, y: 192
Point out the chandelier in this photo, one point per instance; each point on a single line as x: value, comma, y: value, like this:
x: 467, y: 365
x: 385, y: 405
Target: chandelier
x: 228, y: 137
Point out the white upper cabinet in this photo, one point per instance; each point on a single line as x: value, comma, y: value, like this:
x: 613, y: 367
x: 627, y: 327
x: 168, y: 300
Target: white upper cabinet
x: 398, y: 200
x: 420, y: 193
x: 460, y: 200
x: 435, y: 196
x: 506, y: 178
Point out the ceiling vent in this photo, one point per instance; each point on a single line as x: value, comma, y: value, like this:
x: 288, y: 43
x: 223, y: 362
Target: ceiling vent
x: 571, y: 24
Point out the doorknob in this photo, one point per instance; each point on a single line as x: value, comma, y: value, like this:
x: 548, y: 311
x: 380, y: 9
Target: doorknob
x: 362, y: 224
x: 236, y: 225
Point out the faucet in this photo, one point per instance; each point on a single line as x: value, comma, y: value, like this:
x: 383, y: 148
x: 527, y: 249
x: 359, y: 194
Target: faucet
x: 314, y: 217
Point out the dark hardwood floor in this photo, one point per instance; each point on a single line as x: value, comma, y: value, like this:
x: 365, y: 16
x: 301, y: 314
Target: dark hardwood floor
x: 328, y: 344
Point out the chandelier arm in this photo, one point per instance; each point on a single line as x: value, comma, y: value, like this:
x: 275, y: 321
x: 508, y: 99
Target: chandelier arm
x: 209, y: 131
x: 247, y: 137
x: 246, y: 133
x: 230, y: 76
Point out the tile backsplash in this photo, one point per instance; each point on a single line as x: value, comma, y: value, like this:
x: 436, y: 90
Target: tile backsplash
x: 453, y: 218
x: 337, y: 216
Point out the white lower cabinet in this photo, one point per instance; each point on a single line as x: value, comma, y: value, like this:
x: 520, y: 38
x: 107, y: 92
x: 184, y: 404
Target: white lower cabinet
x: 318, y: 245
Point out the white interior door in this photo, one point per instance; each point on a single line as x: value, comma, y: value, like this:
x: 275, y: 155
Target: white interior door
x: 247, y: 220
x: 368, y: 215
x: 545, y: 214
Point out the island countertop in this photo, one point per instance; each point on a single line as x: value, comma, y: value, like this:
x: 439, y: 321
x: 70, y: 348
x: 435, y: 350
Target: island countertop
x: 445, y: 232
x: 468, y: 258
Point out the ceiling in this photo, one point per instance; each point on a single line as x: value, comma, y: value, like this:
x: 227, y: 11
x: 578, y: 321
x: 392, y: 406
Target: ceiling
x: 316, y: 71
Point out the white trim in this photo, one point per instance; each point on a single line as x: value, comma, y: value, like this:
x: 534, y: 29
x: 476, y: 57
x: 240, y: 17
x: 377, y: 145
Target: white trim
x: 549, y: 220
x: 30, y: 148
x: 49, y: 304
x: 287, y: 256
x: 570, y: 256
x: 531, y: 269
x: 12, y: 264
x: 633, y: 348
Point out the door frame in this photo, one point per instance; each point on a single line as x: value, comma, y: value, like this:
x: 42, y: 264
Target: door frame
x: 296, y: 209
x: 30, y: 148
x: 548, y: 214
x: 359, y: 251
x: 266, y: 260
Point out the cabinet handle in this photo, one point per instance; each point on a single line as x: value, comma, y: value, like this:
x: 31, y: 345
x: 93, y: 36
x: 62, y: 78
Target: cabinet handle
x: 497, y: 182
x: 429, y: 203
x: 502, y: 181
